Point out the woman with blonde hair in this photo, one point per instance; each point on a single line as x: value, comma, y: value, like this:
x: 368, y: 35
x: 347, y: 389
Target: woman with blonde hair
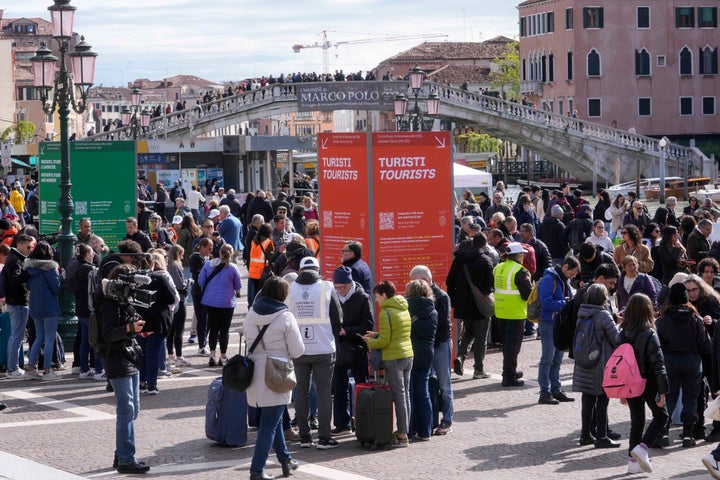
x: 220, y: 279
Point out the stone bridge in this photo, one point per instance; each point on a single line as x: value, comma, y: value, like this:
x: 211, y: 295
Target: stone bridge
x: 579, y: 147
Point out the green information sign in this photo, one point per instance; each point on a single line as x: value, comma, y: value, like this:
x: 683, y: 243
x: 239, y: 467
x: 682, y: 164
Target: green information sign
x: 103, y: 176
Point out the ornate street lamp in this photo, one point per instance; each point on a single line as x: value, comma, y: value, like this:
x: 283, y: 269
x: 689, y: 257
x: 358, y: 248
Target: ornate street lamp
x: 416, y: 117
x: 133, y: 118
x: 48, y: 76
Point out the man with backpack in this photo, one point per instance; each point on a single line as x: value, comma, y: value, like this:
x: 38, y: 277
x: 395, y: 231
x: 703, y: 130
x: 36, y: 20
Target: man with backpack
x: 554, y: 291
x: 579, y: 229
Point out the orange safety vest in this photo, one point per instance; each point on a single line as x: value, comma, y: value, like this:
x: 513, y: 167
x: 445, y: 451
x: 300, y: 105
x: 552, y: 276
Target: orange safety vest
x: 257, y: 259
x: 313, y: 245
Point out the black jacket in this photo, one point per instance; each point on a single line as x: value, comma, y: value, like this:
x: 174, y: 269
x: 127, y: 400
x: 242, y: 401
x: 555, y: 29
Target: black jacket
x: 357, y: 317
x: 114, y: 319
x: 159, y: 316
x: 422, y: 332
x: 16, y: 292
x: 80, y: 287
x: 141, y: 238
x: 481, y: 274
x: 649, y: 356
x: 551, y: 234
x: 587, y: 269
x: 442, y: 306
x: 681, y: 331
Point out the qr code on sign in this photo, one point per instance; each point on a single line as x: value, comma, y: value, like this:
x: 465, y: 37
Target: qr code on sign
x: 327, y: 219
x: 387, y: 220
x: 81, y: 208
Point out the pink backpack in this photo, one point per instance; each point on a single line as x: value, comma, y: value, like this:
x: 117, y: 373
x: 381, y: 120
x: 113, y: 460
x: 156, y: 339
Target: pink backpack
x: 622, y: 377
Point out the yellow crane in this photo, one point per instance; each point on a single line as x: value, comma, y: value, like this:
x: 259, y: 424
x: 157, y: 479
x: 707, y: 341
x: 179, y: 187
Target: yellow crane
x: 326, y: 44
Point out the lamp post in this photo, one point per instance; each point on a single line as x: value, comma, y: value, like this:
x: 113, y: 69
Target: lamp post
x: 130, y: 117
x: 663, y: 157
x: 416, y: 118
x: 49, y: 75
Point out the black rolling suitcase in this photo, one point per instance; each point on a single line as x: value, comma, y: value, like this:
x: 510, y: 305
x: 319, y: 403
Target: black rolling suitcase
x: 373, y: 414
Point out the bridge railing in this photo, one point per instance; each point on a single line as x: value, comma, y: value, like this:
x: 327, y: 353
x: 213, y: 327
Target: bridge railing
x: 524, y: 113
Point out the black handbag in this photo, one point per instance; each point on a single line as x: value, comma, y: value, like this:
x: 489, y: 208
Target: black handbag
x: 350, y: 355
x: 238, y: 371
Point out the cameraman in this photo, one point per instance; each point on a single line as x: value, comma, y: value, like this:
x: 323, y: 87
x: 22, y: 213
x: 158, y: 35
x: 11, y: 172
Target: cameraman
x: 120, y: 324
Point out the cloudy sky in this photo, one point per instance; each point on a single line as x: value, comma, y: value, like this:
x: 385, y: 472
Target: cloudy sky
x: 230, y: 40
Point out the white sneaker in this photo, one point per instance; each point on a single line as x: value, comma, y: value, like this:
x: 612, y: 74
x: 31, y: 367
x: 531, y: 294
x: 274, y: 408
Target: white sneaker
x: 85, y: 375
x: 76, y: 370
x: 712, y: 465
x: 18, y: 374
x: 634, y: 467
x: 100, y: 376
x: 203, y: 352
x: 51, y: 375
x: 640, y: 453
x: 34, y: 374
x: 181, y: 362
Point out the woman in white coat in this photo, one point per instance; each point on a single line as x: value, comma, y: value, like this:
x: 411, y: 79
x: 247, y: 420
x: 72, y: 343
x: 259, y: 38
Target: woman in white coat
x: 281, y: 340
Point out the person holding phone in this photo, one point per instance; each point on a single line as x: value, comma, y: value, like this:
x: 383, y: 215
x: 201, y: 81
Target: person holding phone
x: 120, y: 324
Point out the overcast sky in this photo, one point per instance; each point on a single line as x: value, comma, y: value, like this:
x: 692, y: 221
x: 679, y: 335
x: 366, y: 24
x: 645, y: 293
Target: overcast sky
x: 224, y: 40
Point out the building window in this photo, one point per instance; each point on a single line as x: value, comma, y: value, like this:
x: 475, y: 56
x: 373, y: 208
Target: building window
x: 644, y: 109
x: 569, y: 66
x: 522, y: 26
x: 707, y: 17
x: 708, y: 61
x: 543, y: 66
x: 593, y: 63
x: 708, y: 105
x: 551, y: 22
x: 594, y: 107
x: 685, y: 61
x: 684, y: 17
x: 643, y: 17
x: 642, y: 62
x: 551, y: 68
x: 593, y: 17
x: 661, y: 60
x: 568, y: 19
x: 524, y: 70
x: 686, y: 107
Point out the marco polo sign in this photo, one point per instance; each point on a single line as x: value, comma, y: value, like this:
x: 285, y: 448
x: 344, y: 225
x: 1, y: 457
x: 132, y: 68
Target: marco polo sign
x: 370, y: 95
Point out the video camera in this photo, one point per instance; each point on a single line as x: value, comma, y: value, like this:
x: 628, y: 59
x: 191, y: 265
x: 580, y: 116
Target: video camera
x: 130, y: 289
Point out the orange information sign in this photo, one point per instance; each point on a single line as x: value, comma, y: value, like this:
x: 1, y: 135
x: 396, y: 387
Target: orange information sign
x: 343, y: 179
x: 411, y: 204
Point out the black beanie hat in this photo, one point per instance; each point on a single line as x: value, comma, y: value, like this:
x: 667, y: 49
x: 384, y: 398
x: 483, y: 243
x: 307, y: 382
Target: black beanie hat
x: 678, y: 294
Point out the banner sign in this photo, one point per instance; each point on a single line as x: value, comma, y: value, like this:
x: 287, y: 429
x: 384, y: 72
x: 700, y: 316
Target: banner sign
x: 394, y: 196
x: 103, y: 178
x: 343, y: 177
x: 330, y: 96
x: 411, y: 202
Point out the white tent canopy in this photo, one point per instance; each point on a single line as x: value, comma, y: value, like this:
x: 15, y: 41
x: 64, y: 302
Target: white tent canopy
x: 466, y: 177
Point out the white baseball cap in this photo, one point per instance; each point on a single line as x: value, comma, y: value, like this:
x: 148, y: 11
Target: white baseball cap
x: 309, y: 262
x: 213, y: 213
x: 514, y: 247
x: 177, y: 219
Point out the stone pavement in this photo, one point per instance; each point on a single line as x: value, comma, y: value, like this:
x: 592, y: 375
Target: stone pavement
x: 498, y: 433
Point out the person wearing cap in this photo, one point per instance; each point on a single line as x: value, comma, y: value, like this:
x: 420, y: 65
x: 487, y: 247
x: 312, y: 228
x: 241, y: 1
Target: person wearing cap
x: 137, y: 235
x: 316, y: 305
x: 281, y: 201
x: 512, y: 289
x: 213, y: 215
x: 351, y: 351
x: 160, y: 236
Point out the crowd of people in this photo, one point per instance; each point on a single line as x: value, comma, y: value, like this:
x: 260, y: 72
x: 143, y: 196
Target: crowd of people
x: 650, y: 282
x: 626, y: 277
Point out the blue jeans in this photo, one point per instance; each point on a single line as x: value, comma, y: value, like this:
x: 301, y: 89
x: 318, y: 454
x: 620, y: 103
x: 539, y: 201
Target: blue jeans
x: 270, y: 433
x: 18, y: 321
x: 421, y: 420
x: 45, y: 330
x: 441, y: 367
x: 127, y: 396
x: 150, y: 358
x: 397, y: 374
x: 85, y: 347
x: 550, y: 361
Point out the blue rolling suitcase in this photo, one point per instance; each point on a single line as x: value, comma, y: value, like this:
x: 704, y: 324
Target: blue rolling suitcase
x: 226, y: 415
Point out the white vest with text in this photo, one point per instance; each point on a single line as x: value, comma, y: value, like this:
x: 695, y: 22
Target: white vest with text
x: 311, y: 306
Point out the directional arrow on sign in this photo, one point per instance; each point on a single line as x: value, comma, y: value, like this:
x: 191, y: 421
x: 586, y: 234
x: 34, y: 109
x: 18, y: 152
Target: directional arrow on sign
x: 441, y: 142
x: 324, y: 143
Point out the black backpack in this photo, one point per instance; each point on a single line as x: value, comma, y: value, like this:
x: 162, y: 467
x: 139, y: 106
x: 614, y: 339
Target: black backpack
x: 564, y: 321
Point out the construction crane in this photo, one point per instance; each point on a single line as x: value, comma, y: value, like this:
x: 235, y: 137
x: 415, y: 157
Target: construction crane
x: 326, y: 44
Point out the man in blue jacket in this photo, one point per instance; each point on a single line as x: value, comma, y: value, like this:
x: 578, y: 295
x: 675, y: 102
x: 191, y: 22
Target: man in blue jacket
x: 230, y: 229
x: 553, y: 291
